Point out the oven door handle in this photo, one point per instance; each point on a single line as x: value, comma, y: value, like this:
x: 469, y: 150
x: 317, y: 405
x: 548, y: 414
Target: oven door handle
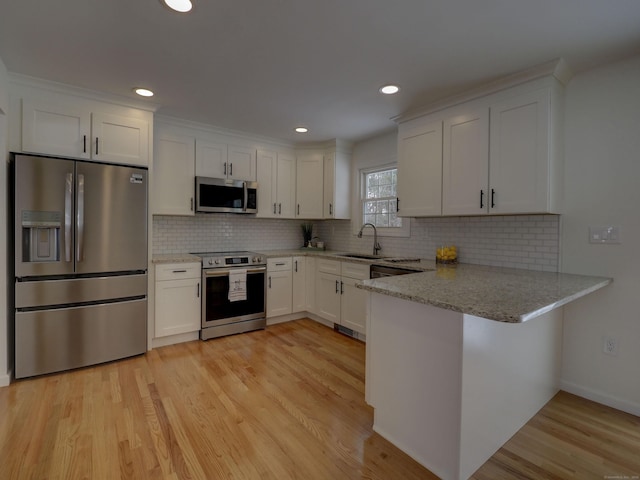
x: 213, y: 272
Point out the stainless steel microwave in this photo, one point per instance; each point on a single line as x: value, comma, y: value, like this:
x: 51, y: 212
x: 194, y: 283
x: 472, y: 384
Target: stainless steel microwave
x: 226, y: 196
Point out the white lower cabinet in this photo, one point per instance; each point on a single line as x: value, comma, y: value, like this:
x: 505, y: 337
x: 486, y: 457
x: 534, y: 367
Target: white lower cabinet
x: 299, y: 288
x: 337, y: 298
x: 177, y: 298
x: 279, y: 286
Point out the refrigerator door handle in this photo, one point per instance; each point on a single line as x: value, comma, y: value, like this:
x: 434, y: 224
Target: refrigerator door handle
x: 68, y: 204
x: 80, y: 219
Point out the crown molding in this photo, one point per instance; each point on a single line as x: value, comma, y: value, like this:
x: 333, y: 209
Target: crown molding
x: 19, y: 79
x: 556, y: 68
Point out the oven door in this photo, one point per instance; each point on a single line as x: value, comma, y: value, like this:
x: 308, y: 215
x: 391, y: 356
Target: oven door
x: 216, y: 307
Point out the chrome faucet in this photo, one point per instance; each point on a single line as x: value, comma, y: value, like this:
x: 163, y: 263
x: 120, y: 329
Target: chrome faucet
x: 376, y: 245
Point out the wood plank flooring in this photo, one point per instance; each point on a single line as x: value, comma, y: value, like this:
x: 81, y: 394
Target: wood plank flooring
x: 283, y: 403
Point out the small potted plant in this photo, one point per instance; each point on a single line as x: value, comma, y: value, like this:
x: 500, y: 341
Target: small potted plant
x: 307, y: 233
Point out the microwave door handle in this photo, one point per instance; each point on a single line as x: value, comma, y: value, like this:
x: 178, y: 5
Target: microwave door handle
x: 246, y: 196
x: 80, y: 220
x: 68, y: 205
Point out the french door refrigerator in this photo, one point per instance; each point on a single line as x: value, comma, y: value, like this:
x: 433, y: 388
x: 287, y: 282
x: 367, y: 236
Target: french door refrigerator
x: 80, y: 237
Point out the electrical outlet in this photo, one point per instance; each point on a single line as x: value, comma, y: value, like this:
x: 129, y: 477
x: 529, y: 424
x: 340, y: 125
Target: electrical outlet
x: 610, y: 346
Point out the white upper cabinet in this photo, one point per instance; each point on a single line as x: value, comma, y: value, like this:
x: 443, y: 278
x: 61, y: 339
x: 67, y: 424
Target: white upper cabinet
x: 173, y: 174
x: 337, y: 183
x: 219, y: 160
x: 276, y: 173
x: 420, y: 170
x: 55, y: 129
x: 119, y: 139
x: 73, y: 130
x: 521, y: 156
x: 309, y: 185
x: 465, y: 164
x: 497, y: 154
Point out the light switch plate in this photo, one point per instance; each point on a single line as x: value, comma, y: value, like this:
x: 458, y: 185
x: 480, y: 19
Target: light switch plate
x: 606, y: 234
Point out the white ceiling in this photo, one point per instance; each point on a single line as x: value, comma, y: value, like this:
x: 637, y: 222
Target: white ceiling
x: 265, y: 66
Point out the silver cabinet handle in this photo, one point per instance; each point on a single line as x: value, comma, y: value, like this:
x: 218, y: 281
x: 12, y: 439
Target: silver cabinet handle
x: 225, y: 168
x: 84, y: 144
x: 96, y: 145
x: 337, y: 285
x: 279, y: 209
x: 296, y: 264
x: 330, y: 209
x: 341, y: 288
x: 198, y: 290
x: 269, y: 281
x: 231, y: 169
x: 274, y: 208
x: 68, y: 205
x: 80, y: 219
x: 179, y: 271
x: 298, y: 209
x: 192, y: 204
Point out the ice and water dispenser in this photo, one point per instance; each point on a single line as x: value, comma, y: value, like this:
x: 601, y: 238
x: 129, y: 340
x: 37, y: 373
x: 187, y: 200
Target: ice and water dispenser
x: 41, y: 236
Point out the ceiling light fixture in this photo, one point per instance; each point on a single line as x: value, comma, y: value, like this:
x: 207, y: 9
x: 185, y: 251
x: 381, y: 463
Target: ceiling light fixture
x: 302, y: 129
x: 181, y: 6
x: 389, y: 89
x: 143, y: 92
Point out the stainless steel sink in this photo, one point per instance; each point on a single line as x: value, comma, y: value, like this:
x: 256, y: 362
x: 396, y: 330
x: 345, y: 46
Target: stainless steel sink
x: 361, y: 255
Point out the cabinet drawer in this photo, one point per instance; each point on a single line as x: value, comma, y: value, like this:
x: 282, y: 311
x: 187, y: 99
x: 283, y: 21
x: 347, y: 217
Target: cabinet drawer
x: 176, y: 271
x: 329, y: 266
x: 279, y: 264
x: 358, y: 271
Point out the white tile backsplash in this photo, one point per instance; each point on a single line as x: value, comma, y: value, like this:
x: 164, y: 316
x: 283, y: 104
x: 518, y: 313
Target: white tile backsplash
x: 519, y: 241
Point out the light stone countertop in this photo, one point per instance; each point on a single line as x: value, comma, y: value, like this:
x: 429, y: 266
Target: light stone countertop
x: 496, y: 293
x: 174, y: 258
x: 502, y: 294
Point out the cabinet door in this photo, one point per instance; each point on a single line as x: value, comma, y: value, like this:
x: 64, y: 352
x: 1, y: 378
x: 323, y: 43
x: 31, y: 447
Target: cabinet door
x: 299, y: 298
x: 311, y: 284
x: 328, y: 296
x: 211, y: 159
x: 309, y: 186
x: 118, y: 139
x: 177, y: 307
x: 420, y: 171
x: 337, y: 186
x: 278, y: 293
x: 241, y: 163
x: 519, y: 154
x: 465, y: 164
x: 55, y: 129
x: 266, y: 171
x: 353, y: 310
x: 286, y: 185
x: 173, y: 175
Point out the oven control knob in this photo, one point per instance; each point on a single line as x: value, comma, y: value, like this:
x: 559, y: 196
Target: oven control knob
x: 257, y: 259
x: 217, y: 262
x: 210, y: 262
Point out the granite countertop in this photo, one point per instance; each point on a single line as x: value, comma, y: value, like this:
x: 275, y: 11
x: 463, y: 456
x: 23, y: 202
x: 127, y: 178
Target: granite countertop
x: 174, y: 258
x: 501, y: 294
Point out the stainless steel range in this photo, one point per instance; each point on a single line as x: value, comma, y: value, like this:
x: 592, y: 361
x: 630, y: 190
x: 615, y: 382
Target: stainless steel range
x: 234, y: 299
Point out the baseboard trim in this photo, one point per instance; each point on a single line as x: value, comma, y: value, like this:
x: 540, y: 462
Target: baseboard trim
x: 600, y: 397
x: 5, y: 379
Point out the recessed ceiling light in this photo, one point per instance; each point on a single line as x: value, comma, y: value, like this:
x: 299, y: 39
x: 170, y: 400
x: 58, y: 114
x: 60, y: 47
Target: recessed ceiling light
x: 302, y: 129
x: 143, y: 92
x: 181, y: 6
x: 389, y: 89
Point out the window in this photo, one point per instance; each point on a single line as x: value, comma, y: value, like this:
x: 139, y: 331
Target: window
x: 379, y: 201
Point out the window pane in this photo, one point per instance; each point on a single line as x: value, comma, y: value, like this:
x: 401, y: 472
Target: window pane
x: 379, y: 205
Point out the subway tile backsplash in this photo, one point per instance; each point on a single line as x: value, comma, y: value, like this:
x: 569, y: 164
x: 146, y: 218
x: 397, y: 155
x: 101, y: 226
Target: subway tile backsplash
x: 519, y: 241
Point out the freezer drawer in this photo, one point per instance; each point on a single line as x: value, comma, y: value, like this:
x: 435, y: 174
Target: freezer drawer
x: 55, y: 340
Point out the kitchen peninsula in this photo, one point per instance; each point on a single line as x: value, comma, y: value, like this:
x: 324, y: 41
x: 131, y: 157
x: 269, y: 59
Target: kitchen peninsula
x: 460, y: 358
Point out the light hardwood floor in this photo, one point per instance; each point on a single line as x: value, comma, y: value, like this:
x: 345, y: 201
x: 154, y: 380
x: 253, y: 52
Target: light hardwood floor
x: 283, y: 403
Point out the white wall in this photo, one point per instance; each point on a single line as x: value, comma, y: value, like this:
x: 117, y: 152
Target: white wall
x: 602, y: 187
x: 4, y: 337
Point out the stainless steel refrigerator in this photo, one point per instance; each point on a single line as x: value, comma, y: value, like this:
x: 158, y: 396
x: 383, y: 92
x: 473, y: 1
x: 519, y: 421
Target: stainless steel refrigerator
x: 80, y: 263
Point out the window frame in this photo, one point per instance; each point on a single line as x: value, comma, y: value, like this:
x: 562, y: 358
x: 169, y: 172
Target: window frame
x: 403, y: 231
